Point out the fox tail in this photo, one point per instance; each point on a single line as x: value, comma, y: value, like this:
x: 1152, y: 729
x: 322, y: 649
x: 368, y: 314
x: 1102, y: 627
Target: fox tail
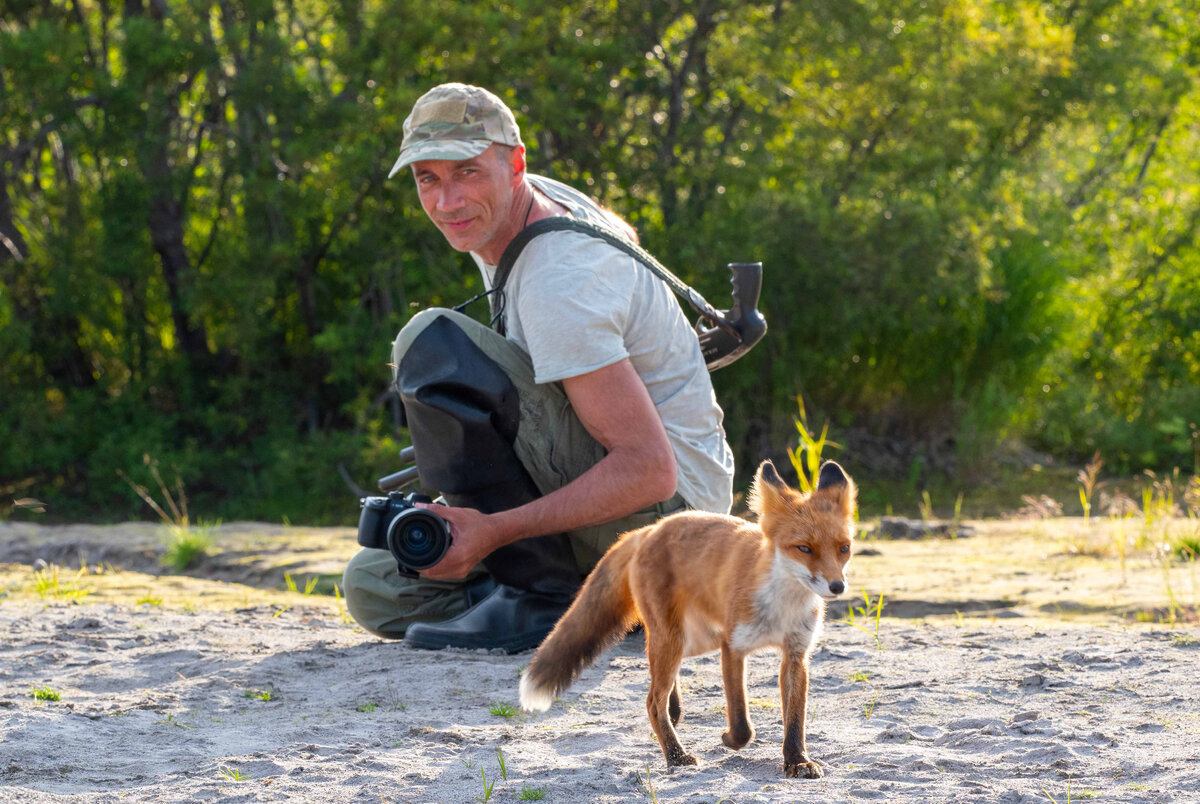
x: 603, y: 612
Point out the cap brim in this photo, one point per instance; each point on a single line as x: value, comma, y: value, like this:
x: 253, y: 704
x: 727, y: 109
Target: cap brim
x: 453, y: 150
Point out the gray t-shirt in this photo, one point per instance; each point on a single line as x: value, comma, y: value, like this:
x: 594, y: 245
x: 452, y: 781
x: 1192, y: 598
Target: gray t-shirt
x: 576, y: 304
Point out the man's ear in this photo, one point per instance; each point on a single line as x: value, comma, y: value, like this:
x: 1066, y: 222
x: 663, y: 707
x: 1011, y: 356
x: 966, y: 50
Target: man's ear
x: 517, y: 155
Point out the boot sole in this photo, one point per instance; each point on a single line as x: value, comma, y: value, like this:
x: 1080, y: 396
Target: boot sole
x: 514, y: 645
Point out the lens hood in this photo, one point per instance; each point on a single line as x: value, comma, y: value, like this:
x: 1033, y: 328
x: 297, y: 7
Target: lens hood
x: 418, y: 538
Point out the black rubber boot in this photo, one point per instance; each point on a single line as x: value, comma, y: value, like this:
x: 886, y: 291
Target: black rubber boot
x: 536, y: 581
x: 463, y: 414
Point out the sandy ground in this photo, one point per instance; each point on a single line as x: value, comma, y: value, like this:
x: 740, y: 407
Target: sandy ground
x: 1022, y: 677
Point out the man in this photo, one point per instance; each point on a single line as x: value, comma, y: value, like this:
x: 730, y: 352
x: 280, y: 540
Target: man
x: 592, y: 415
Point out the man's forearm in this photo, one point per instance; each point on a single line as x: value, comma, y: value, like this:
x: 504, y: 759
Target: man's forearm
x: 618, y: 485
x: 638, y: 470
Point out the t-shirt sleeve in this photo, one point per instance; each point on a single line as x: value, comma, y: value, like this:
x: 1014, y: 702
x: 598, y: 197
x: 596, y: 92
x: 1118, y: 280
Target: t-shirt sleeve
x: 573, y: 304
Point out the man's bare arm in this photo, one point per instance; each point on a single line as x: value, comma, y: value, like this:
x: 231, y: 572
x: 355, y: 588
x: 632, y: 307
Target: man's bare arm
x: 638, y: 471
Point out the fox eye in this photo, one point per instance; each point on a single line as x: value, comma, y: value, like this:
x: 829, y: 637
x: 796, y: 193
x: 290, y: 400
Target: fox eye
x: 804, y: 548
x: 845, y: 548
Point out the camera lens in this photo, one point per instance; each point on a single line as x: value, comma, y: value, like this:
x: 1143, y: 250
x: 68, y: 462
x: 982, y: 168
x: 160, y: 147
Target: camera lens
x: 418, y: 539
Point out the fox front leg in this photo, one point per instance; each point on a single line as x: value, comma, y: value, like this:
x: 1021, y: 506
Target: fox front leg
x: 733, y: 674
x: 793, y: 688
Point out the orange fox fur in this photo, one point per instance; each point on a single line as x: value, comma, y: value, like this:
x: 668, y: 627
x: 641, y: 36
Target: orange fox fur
x: 698, y: 582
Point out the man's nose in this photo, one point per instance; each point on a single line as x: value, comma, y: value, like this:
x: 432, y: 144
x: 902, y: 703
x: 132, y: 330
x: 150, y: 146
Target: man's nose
x: 449, y: 199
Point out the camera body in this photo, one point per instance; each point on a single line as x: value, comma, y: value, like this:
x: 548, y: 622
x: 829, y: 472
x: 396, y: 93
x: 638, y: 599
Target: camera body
x: 416, y: 537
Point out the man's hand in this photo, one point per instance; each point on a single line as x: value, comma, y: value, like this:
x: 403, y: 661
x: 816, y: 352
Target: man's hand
x: 472, y: 537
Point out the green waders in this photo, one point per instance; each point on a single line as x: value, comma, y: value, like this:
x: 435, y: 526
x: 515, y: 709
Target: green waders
x: 553, y: 447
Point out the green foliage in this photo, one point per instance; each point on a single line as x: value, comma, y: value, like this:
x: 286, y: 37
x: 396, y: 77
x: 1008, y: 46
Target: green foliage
x: 502, y: 709
x: 310, y: 584
x: 49, y: 584
x: 185, y: 547
x: 487, y: 788
x: 806, y: 457
x: 531, y: 793
x: 1186, y: 547
x: 233, y: 775
x: 866, y: 617
x: 978, y: 221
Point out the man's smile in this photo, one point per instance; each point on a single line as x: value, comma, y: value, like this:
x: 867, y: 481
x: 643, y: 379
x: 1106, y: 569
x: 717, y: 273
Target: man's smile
x: 458, y: 225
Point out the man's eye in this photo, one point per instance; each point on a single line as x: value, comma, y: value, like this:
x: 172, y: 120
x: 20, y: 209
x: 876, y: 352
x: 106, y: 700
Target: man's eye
x: 804, y: 548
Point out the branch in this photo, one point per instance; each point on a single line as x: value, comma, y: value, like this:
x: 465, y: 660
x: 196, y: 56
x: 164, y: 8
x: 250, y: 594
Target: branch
x: 1154, y: 139
x: 319, y: 253
x: 872, y: 142
x: 212, y: 232
x: 11, y: 247
x: 1098, y: 172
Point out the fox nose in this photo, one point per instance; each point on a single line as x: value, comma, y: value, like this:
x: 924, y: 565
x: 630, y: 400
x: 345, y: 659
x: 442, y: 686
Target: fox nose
x: 837, y: 587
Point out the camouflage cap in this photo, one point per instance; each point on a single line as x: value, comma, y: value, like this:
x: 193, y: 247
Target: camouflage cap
x: 455, y: 121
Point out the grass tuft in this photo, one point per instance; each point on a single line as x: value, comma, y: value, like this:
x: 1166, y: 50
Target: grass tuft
x: 45, y: 694
x: 647, y: 786
x: 1186, y: 547
x: 309, y: 585
x: 866, y: 617
x: 502, y: 709
x: 531, y: 793
x: 233, y: 775
x: 186, y: 547
x: 49, y: 585
x: 487, y: 787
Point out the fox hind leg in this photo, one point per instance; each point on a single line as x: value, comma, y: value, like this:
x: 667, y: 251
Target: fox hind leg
x: 674, y: 706
x: 665, y: 654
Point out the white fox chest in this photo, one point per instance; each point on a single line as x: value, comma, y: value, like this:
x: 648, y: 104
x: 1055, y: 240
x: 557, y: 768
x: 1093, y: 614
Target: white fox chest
x: 787, y: 614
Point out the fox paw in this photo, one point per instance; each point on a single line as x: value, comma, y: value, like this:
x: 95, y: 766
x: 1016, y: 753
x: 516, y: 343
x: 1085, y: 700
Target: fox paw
x: 736, y: 740
x: 803, y: 770
x: 682, y: 759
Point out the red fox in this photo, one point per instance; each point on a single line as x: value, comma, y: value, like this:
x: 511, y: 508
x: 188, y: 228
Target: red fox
x: 697, y: 582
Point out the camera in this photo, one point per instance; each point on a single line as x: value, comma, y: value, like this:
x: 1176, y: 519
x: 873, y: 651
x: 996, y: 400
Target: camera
x: 417, y: 538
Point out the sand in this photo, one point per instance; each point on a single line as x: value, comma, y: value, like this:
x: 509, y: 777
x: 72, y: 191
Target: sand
x: 191, y: 695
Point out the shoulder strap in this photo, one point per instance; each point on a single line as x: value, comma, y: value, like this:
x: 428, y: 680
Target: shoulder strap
x: 560, y: 223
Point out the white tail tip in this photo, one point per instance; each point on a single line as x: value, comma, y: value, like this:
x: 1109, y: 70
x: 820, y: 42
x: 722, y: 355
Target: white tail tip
x: 534, y: 699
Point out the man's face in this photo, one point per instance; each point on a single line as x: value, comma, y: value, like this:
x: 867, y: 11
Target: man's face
x: 470, y: 200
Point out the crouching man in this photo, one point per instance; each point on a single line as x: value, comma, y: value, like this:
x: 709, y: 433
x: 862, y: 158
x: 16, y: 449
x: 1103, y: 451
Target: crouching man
x: 587, y: 412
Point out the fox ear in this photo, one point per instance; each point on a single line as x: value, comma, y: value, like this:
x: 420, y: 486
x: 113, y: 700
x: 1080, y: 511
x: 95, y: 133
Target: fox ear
x: 767, y: 473
x: 768, y: 491
x: 834, y: 481
x: 831, y: 475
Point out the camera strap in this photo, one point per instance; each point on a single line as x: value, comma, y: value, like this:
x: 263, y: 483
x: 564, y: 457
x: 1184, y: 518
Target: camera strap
x: 563, y: 223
